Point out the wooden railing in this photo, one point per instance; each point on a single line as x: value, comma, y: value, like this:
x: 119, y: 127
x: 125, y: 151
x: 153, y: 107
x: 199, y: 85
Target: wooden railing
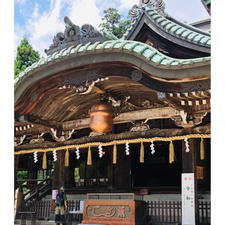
x: 39, y: 191
x: 204, y: 208
x: 43, y: 209
x: 159, y: 212
x: 164, y: 212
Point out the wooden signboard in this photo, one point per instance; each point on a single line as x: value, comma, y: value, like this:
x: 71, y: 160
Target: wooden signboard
x: 200, y: 172
x: 113, y: 212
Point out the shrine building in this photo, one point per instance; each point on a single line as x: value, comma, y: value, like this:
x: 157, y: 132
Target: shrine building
x: 122, y: 124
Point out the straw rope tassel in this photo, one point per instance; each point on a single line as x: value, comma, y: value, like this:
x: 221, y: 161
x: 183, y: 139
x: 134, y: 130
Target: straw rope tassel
x: 67, y: 158
x: 89, y: 159
x: 114, y: 154
x: 110, y: 143
x: 171, y: 152
x: 44, y: 161
x: 202, y: 150
x: 142, y: 153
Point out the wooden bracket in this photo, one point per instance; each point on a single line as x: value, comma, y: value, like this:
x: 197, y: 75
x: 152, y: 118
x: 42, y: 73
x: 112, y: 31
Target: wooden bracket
x: 64, y: 137
x: 19, y: 140
x: 194, y: 119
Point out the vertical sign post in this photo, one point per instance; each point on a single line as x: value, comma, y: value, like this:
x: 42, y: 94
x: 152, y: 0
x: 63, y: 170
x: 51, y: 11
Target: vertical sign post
x: 54, y: 193
x: 188, y: 199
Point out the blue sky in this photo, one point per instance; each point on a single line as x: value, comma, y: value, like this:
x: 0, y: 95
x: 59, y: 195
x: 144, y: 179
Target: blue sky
x: 40, y: 20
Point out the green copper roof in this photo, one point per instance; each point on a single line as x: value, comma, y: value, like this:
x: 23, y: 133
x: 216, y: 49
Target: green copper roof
x: 145, y: 51
x: 207, y: 2
x: 182, y: 31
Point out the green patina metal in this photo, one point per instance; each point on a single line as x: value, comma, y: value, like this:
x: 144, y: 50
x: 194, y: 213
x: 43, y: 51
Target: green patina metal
x: 174, y: 29
x: 147, y: 52
x: 207, y: 2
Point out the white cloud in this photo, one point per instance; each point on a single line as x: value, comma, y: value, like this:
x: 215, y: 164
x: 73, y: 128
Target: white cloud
x: 42, y: 27
x: 85, y: 12
x: 127, y: 4
x: 35, y: 13
x: 20, y: 2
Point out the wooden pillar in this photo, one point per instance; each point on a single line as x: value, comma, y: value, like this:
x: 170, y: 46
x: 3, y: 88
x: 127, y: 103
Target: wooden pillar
x: 122, y: 169
x: 69, y: 173
x: 110, y: 168
x: 189, y: 166
x: 31, y: 171
x: 62, y: 175
x: 16, y: 165
x: 58, y: 176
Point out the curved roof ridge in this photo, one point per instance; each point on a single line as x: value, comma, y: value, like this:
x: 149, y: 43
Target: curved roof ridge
x: 150, y: 54
x: 136, y: 13
x: 169, y: 25
x: 187, y: 25
x: 178, y: 29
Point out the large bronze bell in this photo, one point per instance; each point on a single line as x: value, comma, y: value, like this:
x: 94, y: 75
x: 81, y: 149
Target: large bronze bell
x: 101, y: 118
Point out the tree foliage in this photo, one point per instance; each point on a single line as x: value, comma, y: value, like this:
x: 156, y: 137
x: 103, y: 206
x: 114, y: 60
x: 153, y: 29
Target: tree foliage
x: 113, y: 22
x: 25, y: 57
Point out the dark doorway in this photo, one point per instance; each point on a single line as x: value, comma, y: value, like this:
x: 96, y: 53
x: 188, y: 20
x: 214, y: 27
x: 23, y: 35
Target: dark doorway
x: 156, y: 171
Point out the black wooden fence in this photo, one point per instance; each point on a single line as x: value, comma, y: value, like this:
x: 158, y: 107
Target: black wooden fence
x: 170, y: 212
x: 204, y: 209
x: 164, y: 211
x: 158, y: 212
x: 43, y: 209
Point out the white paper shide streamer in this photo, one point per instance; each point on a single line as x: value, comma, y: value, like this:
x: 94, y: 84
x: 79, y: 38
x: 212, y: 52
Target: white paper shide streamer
x: 100, y: 153
x: 127, y: 149
x: 152, y: 148
x: 54, y: 155
x: 77, y: 152
x: 35, y: 157
x: 186, y: 145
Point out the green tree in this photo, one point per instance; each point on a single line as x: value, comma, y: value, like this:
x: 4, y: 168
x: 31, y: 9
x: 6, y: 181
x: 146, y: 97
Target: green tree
x: 113, y: 22
x: 25, y: 57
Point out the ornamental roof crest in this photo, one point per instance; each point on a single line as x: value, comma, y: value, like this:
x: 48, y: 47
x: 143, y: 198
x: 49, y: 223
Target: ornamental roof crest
x: 157, y: 5
x: 137, y: 10
x: 74, y: 35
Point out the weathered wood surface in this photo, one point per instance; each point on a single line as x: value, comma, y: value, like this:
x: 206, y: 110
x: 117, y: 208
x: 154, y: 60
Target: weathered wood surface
x: 126, y: 135
x: 44, y: 126
x: 45, y: 100
x: 155, y: 113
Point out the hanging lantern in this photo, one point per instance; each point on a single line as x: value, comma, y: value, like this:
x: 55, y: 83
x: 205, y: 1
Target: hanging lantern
x: 101, y: 118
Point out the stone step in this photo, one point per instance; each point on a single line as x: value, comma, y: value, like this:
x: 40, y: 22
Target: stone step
x: 43, y: 222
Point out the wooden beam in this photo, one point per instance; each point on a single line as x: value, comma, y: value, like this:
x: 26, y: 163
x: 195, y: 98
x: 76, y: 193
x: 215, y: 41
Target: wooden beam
x: 43, y: 125
x: 126, y: 135
x: 156, y: 113
x: 150, y: 114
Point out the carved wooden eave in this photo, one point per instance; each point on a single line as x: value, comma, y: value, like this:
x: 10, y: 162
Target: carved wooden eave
x: 65, y: 104
x: 53, y: 91
x: 94, y: 64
